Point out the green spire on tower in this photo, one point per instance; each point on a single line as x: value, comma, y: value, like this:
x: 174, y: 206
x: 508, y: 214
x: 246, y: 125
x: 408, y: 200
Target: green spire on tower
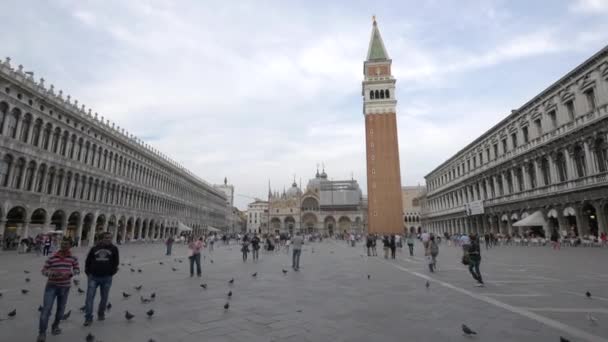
x: 376, y: 50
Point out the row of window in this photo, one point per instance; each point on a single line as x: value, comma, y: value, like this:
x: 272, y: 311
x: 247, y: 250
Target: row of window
x: 559, y: 167
x: 516, y: 138
x: 17, y: 173
x: 24, y: 128
x: 379, y: 94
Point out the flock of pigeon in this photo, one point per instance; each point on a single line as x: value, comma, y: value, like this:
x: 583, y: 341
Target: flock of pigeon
x: 467, y: 331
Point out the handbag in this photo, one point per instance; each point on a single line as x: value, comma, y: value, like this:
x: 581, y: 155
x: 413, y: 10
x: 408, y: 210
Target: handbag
x: 466, y: 259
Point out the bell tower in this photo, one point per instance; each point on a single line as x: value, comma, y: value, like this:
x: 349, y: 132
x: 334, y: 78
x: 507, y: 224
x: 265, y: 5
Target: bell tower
x: 385, y: 210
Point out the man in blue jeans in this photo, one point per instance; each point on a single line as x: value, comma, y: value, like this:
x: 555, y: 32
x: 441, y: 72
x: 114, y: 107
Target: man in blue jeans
x: 59, y: 268
x: 297, y: 242
x: 100, y: 266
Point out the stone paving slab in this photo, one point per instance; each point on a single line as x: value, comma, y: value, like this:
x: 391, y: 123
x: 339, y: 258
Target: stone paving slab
x: 331, y: 298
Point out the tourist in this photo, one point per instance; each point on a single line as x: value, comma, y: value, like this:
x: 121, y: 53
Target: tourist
x: 59, y: 268
x: 398, y: 240
x: 100, y: 266
x: 210, y: 241
x: 486, y: 238
x: 393, y: 246
x: 297, y: 242
x: 245, y: 247
x: 425, y: 236
x: 603, y: 238
x: 431, y: 253
x: 474, y: 259
x: 47, y: 246
x: 169, y: 244
x: 374, y: 251
x: 386, y: 245
x: 368, y: 244
x: 465, y: 242
x: 410, y: 242
x: 194, y: 256
x: 555, y: 239
x: 255, y: 247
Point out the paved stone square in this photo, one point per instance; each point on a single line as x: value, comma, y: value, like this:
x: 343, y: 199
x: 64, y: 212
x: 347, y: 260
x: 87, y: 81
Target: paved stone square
x: 532, y: 294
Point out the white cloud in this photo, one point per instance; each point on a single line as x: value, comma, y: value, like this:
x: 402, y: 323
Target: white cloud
x: 590, y: 6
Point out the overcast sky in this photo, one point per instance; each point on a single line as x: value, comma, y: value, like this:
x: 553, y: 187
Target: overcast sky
x: 262, y: 90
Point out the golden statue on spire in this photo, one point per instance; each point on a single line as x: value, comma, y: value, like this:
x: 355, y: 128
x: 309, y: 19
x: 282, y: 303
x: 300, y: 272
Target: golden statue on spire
x: 374, y: 18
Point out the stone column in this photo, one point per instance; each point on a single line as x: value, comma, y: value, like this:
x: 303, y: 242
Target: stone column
x: 589, y: 157
x: 538, y: 173
x: 2, y: 223
x: 601, y: 217
x: 23, y: 176
x: 553, y: 168
x: 79, y: 224
x: 25, y: 232
x: 30, y: 130
x: 569, y: 156
x: 582, y: 230
x: 18, y: 128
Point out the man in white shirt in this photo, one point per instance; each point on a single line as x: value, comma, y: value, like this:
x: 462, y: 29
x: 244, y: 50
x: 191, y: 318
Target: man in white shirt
x: 297, y: 242
x: 425, y: 237
x: 465, y: 242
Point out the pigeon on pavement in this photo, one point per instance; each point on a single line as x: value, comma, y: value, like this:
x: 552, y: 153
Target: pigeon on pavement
x: 153, y: 295
x: 149, y: 313
x: 284, y: 271
x: 591, y: 319
x: 39, y: 308
x: 27, y: 280
x: 66, y: 315
x: 90, y: 338
x: 109, y: 306
x: 132, y: 270
x: 26, y: 271
x: 255, y: 274
x: 588, y: 294
x: 12, y: 313
x: 230, y: 294
x: 231, y: 281
x: 145, y: 300
x: 204, y: 286
x: 125, y: 295
x: 81, y: 291
x: 129, y: 315
x: 369, y: 276
x: 467, y: 331
x: 174, y: 269
x: 81, y: 309
x: 24, y: 291
x: 563, y: 339
x: 427, y: 285
x: 138, y: 287
x: 227, y: 305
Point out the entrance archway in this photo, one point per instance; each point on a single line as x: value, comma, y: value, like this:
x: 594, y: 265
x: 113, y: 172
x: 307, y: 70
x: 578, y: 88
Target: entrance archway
x: 58, y: 220
x: 344, y: 224
x: 570, y: 219
x: 72, y: 229
x: 37, y: 221
x: 589, y: 218
x: 87, y: 225
x: 329, y: 224
x: 309, y: 220
x: 15, y: 220
x: 290, y: 224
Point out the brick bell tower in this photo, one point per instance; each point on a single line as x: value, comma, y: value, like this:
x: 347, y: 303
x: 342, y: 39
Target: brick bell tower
x: 385, y: 210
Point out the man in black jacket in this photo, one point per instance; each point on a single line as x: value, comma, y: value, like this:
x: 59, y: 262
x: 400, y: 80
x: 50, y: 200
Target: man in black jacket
x: 101, y: 264
x: 475, y: 259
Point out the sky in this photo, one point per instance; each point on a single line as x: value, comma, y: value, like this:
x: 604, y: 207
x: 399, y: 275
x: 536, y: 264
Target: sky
x: 264, y: 91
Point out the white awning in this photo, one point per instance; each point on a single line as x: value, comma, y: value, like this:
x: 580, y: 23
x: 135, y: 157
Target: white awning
x: 569, y: 211
x: 504, y: 218
x: 552, y: 213
x: 213, y: 229
x: 514, y: 216
x: 183, y: 228
x: 535, y: 219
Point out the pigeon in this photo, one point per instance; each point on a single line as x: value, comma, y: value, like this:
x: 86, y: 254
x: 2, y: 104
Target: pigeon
x: 231, y: 281
x: 299, y: 311
x: 150, y: 313
x: 180, y: 261
x: 138, y: 287
x: 76, y: 282
x: 160, y: 263
x: 427, y: 285
x: 255, y: 274
x: 129, y: 315
x: 81, y: 291
x: 139, y: 270
x: 90, y: 338
x: 125, y: 295
x: 151, y: 340
x: 563, y: 339
x: 27, y: 280
x: 369, y: 276
x: 40, y: 308
x: 145, y: 300
x: 227, y: 306
x: 204, y: 286
x: 212, y: 261
x: 467, y: 331
x: 153, y: 295
x: 588, y: 294
x: 174, y: 269
x: 26, y: 271
x: 122, y: 264
x: 133, y: 270
x: 230, y: 294
x: 24, y: 291
x: 109, y: 306
x: 0, y: 294
x: 12, y: 313
x: 82, y: 308
x: 591, y: 319
x: 284, y: 271
x: 66, y: 315
x: 129, y: 264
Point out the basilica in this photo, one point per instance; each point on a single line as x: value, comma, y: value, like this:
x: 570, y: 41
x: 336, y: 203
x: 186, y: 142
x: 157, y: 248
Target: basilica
x: 324, y: 206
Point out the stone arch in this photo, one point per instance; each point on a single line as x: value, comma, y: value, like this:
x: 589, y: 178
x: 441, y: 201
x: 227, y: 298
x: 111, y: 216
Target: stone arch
x: 24, y: 135
x: 309, y: 221
x: 18, y: 173
x: 329, y: 224
x: 275, y: 224
x: 3, y: 115
x: 72, y: 225
x: 344, y: 223
x: 112, y: 226
x: 137, y: 229
x: 58, y: 220
x: 87, y: 226
x: 29, y: 176
x: 6, y: 170
x: 310, y: 204
x: 14, y: 227
x: 290, y: 224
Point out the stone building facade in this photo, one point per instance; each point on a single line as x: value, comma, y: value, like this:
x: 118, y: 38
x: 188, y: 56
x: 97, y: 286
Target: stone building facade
x: 325, y: 207
x: 411, y: 196
x: 63, y: 168
x: 257, y: 216
x: 545, y: 165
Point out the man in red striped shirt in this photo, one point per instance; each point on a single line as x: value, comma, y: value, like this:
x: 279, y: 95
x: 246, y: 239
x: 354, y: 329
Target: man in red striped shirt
x: 59, y: 268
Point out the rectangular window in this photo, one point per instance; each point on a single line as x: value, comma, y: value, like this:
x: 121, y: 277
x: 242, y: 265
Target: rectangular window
x: 480, y: 158
x: 570, y: 110
x: 495, y: 147
x: 488, y: 155
x: 514, y: 140
x: 539, y: 127
x: 474, y: 162
x: 504, y: 146
x: 590, y: 95
x: 524, y: 131
x: 553, y: 119
x: 468, y: 164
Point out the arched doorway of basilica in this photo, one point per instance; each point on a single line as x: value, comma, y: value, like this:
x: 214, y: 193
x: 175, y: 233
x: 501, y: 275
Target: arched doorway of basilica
x: 290, y: 224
